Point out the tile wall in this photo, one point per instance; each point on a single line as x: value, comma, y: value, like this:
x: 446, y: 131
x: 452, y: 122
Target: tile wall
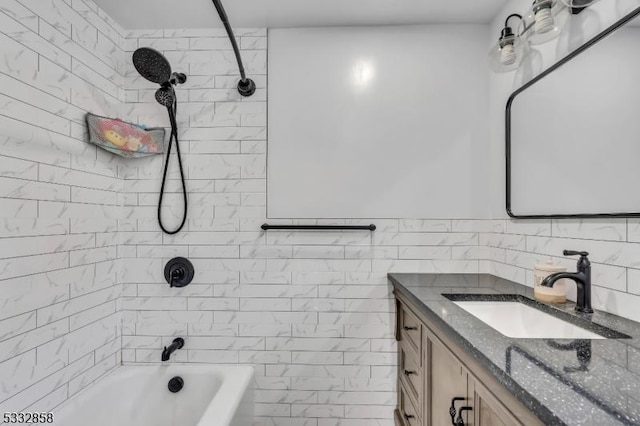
x: 59, y: 201
x: 311, y: 310
x: 514, y: 246
x: 81, y: 252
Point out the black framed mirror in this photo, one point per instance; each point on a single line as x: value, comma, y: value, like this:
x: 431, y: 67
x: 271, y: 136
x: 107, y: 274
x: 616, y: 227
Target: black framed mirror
x: 573, y: 132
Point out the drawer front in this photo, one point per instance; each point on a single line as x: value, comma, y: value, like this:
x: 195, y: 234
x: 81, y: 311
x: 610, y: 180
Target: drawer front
x: 411, y: 374
x: 408, y: 413
x: 410, y: 329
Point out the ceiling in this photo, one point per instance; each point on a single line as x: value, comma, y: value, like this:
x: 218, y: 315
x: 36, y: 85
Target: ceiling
x: 157, y: 14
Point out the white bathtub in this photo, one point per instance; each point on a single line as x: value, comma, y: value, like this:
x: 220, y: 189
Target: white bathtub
x: 212, y: 395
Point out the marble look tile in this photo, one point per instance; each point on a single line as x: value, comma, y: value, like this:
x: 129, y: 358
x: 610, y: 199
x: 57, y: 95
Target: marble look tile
x: 592, y: 229
x: 15, y: 168
x: 27, y: 246
x: 17, y: 373
x: 22, y: 343
x: 633, y: 230
x: 633, y: 281
x: 418, y: 225
x: 19, y: 324
x: 21, y: 266
x: 73, y: 306
x: 93, y: 17
x: 19, y: 13
x: 17, y: 61
x: 43, y: 233
x: 34, y: 42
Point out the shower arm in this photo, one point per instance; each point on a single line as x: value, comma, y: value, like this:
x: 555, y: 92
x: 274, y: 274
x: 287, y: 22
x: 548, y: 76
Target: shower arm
x: 246, y: 86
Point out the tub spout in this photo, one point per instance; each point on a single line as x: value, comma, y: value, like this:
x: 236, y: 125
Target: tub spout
x: 177, y: 343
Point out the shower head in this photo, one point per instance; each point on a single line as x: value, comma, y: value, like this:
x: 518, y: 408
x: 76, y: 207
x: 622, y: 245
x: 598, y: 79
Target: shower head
x: 165, y: 96
x: 152, y: 65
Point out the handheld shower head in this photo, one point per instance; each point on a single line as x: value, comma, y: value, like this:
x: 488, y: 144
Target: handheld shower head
x: 152, y: 65
x: 165, y: 96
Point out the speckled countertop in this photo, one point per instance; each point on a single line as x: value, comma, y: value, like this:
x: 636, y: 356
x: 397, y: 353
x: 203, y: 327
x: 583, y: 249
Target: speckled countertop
x: 564, y: 382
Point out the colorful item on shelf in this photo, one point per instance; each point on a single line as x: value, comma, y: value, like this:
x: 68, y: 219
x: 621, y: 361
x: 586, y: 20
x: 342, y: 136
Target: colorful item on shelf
x: 125, y: 139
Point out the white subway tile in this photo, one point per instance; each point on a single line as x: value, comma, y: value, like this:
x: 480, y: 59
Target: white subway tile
x: 20, y: 13
x: 15, y: 168
x: 25, y: 189
x: 32, y: 339
x: 24, y: 227
x: 19, y: 324
x: 73, y: 306
x: 592, y: 229
x: 17, y: 374
x: 33, y: 41
x: 22, y: 266
x: 27, y: 246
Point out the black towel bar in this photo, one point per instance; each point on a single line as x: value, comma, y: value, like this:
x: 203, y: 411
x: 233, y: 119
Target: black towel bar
x: 371, y: 227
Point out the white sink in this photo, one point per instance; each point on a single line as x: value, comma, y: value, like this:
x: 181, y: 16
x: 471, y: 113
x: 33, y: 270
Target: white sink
x: 517, y: 320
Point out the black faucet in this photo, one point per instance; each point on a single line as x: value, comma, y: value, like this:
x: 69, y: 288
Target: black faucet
x: 582, y: 279
x: 177, y: 343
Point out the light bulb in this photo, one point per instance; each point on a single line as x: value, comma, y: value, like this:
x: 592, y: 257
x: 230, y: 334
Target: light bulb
x: 508, y: 54
x: 544, y: 21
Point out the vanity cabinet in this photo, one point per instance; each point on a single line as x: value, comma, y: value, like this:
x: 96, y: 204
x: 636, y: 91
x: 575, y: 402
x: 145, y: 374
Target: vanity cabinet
x: 434, y: 375
x: 449, y: 384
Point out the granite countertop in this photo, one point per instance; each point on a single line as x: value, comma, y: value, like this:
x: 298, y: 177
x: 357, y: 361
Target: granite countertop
x: 562, y: 381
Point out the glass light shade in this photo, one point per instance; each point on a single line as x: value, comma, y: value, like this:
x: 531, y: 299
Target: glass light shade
x: 579, y: 3
x: 507, y: 54
x: 543, y: 21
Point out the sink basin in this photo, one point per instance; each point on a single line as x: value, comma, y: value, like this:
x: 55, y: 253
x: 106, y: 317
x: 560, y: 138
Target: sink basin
x: 517, y: 320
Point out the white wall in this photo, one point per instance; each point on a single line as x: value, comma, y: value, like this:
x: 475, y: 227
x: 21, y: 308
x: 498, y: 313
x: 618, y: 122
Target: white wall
x: 516, y: 245
x: 59, y: 201
x: 348, y: 103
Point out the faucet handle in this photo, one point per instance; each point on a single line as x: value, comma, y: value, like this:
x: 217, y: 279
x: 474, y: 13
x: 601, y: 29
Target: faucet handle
x: 575, y: 253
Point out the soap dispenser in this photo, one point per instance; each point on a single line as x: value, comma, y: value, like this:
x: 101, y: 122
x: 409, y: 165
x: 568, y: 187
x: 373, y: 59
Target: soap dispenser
x: 555, y: 294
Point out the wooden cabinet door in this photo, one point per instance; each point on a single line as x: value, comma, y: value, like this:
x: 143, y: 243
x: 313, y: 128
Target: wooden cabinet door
x: 488, y: 411
x: 448, y: 380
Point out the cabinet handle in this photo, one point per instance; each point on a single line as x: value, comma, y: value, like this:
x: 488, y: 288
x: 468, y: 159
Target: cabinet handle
x: 408, y: 373
x: 452, y: 409
x: 460, y: 420
x: 409, y: 416
x: 407, y: 328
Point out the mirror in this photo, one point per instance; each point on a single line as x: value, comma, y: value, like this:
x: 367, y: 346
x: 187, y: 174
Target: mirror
x: 573, y: 132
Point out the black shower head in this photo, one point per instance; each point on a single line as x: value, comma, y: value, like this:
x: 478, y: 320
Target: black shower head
x: 165, y: 96
x: 152, y: 65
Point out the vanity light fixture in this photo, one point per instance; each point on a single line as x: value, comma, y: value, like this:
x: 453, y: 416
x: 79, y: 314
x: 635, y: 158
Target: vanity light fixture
x: 507, y: 54
x: 543, y: 21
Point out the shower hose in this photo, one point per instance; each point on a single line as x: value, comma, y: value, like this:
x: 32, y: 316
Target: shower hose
x: 173, y: 109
